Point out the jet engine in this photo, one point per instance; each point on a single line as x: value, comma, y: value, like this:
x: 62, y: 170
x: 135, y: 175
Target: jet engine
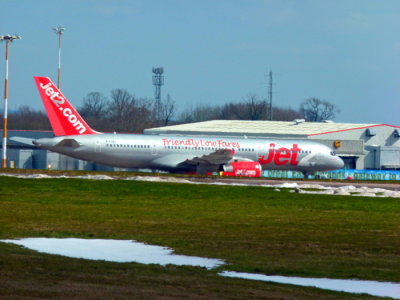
x: 242, y: 168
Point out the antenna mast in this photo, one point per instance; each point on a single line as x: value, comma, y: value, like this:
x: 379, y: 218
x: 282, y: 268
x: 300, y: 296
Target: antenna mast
x: 270, y: 95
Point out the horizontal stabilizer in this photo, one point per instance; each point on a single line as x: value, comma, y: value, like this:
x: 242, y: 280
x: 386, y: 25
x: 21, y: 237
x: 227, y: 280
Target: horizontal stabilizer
x: 22, y: 140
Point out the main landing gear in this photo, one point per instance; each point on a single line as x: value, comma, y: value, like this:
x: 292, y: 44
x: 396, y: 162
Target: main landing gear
x: 307, y: 174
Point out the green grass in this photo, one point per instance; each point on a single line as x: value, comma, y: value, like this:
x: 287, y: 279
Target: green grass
x: 253, y: 229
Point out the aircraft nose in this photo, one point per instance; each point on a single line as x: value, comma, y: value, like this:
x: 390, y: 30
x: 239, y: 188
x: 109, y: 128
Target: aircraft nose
x: 338, y: 162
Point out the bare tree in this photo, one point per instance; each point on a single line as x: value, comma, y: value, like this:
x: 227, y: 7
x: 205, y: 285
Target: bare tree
x: 316, y: 110
x: 255, y: 109
x: 127, y: 113
x: 27, y: 118
x: 142, y: 115
x: 94, y: 110
x: 121, y: 110
x: 251, y: 108
x: 94, y: 105
x: 286, y: 114
x: 168, y: 109
x: 200, y: 113
x: 231, y: 111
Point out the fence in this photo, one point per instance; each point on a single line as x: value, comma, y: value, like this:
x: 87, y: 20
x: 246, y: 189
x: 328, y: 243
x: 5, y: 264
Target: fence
x: 338, y: 174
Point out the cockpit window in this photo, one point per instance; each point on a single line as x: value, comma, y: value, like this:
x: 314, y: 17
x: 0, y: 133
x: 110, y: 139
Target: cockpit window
x: 333, y: 153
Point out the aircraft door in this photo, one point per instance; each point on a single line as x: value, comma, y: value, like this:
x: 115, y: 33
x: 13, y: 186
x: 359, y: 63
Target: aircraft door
x: 154, y: 149
x: 257, y: 151
x: 97, y: 146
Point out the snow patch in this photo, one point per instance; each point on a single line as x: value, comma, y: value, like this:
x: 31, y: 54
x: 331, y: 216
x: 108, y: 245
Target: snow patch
x: 158, y: 179
x: 114, y: 250
x: 374, y: 288
x: 321, y: 192
x: 289, y: 185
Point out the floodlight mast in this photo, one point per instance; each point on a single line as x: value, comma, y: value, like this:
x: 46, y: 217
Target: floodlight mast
x: 59, y: 31
x: 158, y: 81
x: 8, y: 39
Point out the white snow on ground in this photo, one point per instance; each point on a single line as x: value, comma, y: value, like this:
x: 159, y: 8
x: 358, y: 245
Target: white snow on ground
x: 159, y: 179
x: 285, y: 185
x: 114, y: 250
x: 374, y: 288
x: 299, y: 188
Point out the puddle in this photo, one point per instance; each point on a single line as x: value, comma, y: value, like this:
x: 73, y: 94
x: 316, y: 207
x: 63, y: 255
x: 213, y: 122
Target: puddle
x: 114, y: 250
x: 374, y: 288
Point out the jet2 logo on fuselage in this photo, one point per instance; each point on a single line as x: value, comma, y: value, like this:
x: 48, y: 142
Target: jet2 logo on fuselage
x: 280, y: 156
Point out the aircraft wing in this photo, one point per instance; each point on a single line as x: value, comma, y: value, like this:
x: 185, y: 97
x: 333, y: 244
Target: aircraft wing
x: 208, y: 161
x: 217, y: 157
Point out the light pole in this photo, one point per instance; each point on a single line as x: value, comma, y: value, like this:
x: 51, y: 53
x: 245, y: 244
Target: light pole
x: 59, y: 31
x: 8, y: 39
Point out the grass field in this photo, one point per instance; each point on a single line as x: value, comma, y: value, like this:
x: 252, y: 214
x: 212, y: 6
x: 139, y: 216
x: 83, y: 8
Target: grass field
x: 254, y: 229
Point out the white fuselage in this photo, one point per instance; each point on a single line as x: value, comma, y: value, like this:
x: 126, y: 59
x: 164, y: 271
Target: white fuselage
x: 179, y: 153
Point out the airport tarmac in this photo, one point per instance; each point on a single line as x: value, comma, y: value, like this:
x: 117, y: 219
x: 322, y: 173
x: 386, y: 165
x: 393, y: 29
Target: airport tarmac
x: 327, y: 183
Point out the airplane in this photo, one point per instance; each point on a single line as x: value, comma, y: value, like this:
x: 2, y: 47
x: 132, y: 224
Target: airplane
x: 175, y: 153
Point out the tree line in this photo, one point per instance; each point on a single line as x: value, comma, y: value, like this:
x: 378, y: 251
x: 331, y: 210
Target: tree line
x: 124, y: 112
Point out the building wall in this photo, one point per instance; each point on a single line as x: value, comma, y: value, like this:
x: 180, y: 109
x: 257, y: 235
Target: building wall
x: 384, y: 136
x: 381, y: 146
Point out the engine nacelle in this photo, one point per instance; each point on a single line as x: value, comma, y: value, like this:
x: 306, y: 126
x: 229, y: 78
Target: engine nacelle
x: 242, y: 168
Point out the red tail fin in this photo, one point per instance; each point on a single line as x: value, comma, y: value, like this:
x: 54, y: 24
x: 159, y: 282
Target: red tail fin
x: 64, y: 119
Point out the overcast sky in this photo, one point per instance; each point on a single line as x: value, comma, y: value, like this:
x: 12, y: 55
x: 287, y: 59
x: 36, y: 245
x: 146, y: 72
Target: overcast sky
x: 344, y: 51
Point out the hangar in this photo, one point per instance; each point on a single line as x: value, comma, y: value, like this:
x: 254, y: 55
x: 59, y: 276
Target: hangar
x: 361, y: 146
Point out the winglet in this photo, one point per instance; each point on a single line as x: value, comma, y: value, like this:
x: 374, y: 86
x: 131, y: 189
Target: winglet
x: 64, y: 119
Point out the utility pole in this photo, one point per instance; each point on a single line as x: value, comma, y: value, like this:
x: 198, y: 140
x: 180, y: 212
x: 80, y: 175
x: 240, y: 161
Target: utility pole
x: 59, y: 31
x: 270, y: 95
x: 8, y: 39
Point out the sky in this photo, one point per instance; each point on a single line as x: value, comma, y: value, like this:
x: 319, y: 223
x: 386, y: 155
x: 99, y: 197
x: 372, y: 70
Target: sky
x: 346, y: 52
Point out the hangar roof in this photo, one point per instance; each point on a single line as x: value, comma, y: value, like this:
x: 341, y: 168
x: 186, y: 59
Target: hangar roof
x: 297, y: 128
